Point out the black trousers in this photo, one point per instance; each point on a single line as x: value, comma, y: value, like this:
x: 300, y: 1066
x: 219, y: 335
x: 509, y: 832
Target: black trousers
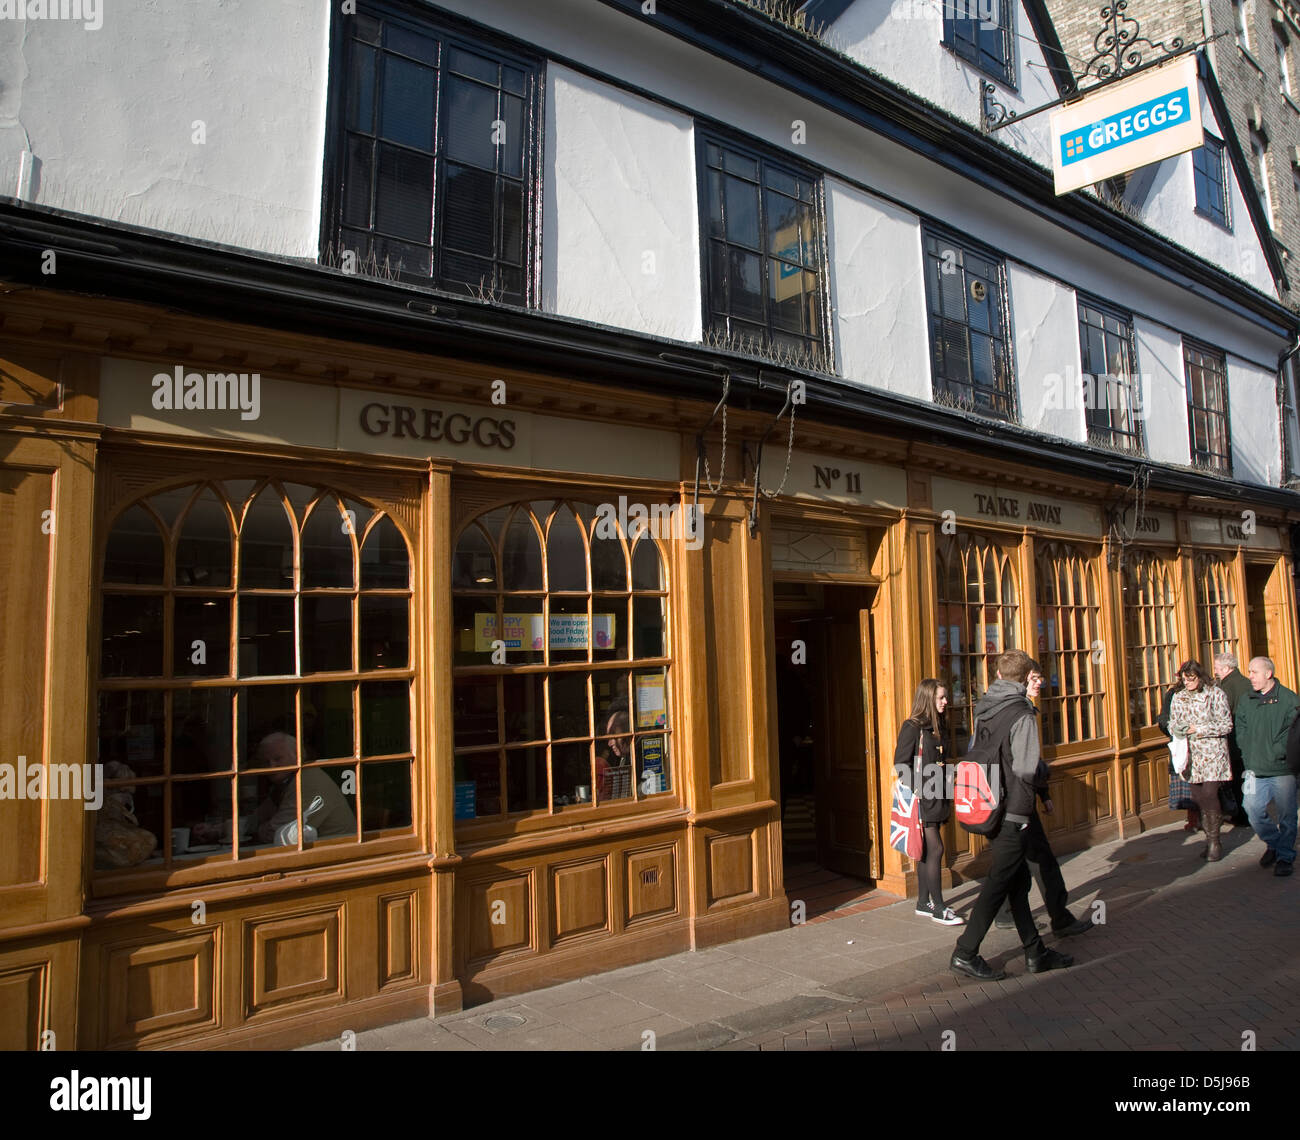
x: 1047, y: 873
x: 1008, y: 879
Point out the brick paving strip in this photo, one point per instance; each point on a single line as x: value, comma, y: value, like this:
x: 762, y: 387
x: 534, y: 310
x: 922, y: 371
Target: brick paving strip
x: 875, y: 976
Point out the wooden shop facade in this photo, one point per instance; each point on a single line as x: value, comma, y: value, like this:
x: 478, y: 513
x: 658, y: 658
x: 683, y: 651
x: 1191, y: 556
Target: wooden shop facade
x: 543, y: 714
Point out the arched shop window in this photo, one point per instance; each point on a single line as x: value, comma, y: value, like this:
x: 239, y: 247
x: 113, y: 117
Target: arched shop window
x: 255, y: 656
x: 1150, y: 634
x: 978, y: 601
x: 1216, y: 605
x: 1070, y: 647
x: 562, y: 658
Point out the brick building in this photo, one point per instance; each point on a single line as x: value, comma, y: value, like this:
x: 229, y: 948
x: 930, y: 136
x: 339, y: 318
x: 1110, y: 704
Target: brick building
x: 1256, y: 59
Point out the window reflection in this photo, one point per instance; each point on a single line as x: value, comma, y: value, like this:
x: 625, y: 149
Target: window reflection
x: 242, y: 755
x: 571, y: 646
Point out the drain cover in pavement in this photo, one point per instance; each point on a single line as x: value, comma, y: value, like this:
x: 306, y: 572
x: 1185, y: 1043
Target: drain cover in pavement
x: 504, y: 1021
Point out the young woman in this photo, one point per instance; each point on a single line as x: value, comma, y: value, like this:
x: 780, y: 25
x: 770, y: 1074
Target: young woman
x: 1200, y: 712
x: 923, y: 732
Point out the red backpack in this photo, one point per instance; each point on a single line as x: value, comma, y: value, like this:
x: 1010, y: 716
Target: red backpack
x: 979, y: 787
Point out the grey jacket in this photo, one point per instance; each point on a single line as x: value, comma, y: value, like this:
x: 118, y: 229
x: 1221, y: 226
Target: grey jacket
x: 1028, y: 774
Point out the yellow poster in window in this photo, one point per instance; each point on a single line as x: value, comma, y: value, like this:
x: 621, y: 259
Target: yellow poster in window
x: 651, y: 703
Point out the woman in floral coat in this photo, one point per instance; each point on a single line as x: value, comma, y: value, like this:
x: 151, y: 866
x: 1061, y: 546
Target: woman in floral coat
x: 1200, y: 712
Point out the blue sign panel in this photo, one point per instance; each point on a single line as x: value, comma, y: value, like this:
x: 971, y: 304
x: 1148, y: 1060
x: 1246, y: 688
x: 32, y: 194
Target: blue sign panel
x: 1130, y: 125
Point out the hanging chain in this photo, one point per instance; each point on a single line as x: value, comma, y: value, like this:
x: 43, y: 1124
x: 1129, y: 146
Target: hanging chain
x: 789, y: 456
x: 722, y: 462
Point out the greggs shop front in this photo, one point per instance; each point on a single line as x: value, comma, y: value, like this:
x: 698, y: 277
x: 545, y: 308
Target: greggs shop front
x: 424, y: 684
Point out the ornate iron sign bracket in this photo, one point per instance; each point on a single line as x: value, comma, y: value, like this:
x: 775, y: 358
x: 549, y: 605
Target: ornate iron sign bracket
x: 1119, y: 48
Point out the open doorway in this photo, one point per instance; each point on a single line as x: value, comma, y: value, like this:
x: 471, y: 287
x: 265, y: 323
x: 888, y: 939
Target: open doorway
x: 1257, y: 608
x: 825, y: 717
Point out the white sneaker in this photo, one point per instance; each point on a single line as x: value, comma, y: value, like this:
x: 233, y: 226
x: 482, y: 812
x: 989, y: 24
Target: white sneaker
x: 948, y: 918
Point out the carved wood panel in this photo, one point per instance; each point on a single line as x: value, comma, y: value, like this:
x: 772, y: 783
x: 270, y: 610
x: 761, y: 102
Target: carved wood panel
x: 651, y: 876
x: 580, y: 898
x: 293, y: 959
x: 153, y: 987
x: 497, y: 912
x: 731, y: 866
x: 24, y: 1010
x: 398, y: 938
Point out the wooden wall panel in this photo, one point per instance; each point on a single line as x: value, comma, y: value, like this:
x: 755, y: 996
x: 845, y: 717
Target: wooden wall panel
x: 580, y: 898
x: 25, y: 497
x: 651, y: 877
x: 291, y: 960
x: 155, y: 987
x: 30, y: 380
x: 398, y: 926
x: 725, y: 590
x: 513, y: 925
x: 730, y: 865
x: 24, y: 1006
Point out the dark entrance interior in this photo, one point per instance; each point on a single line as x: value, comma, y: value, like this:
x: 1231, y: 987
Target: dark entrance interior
x: 825, y: 716
x: 1257, y: 609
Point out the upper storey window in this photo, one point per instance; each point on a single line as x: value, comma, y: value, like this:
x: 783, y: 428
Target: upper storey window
x: 982, y: 33
x: 1211, y: 182
x: 434, y: 159
x: 1112, y: 387
x: 970, y: 359
x: 1207, y: 407
x: 763, y: 251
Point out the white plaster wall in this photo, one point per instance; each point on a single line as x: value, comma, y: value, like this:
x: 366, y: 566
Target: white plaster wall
x: 1253, y: 423
x: 903, y: 41
x: 109, y: 112
x: 1164, y: 391
x: 636, y: 51
x: 877, y: 292
x: 620, y: 221
x: 1045, y: 323
x: 1170, y: 208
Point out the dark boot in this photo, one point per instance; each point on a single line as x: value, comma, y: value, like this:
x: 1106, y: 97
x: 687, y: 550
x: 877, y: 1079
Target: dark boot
x: 1213, y: 847
x: 1193, y: 820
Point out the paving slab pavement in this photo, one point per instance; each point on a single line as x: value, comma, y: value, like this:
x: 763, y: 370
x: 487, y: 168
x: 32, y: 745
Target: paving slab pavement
x: 1184, y: 955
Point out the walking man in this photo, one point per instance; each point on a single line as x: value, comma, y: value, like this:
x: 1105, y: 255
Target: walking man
x: 1046, y: 870
x: 1005, y: 711
x: 1263, y: 719
x: 1234, y: 687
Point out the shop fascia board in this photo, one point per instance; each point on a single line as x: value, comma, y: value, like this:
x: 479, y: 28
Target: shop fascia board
x: 789, y: 60
x: 202, y: 279
x: 1172, y: 497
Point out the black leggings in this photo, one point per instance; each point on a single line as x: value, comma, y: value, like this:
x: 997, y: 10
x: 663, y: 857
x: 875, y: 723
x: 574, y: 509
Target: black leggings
x: 1206, y: 795
x: 929, y: 871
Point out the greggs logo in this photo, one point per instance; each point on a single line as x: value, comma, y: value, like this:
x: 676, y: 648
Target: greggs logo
x: 400, y: 421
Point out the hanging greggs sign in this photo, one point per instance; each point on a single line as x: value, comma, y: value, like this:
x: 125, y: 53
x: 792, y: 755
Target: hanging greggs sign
x: 1131, y: 124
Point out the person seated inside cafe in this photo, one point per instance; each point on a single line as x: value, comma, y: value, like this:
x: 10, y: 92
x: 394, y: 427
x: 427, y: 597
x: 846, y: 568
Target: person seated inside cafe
x: 613, y: 757
x: 336, y: 817
x: 279, y: 807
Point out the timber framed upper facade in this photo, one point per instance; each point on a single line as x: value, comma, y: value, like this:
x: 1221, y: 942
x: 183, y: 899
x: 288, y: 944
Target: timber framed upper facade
x: 468, y: 444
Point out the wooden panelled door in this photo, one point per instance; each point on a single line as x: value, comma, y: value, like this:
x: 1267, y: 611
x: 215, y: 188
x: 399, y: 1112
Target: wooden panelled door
x: 846, y: 828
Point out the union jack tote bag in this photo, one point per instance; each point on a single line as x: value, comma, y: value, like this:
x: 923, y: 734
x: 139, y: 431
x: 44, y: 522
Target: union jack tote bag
x: 905, y: 819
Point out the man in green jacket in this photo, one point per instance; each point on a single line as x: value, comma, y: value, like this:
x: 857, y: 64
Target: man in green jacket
x: 1234, y: 687
x: 1263, y: 718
